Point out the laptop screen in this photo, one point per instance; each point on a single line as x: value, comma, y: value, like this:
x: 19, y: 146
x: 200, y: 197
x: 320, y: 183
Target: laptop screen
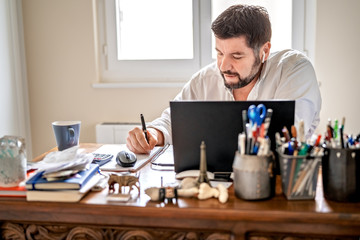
x: 218, y: 124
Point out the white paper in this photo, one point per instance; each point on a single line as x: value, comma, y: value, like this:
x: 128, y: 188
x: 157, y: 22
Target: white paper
x: 114, y: 149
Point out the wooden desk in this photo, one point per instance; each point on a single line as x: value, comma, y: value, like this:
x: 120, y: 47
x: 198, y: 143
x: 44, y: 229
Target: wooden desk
x: 94, y: 218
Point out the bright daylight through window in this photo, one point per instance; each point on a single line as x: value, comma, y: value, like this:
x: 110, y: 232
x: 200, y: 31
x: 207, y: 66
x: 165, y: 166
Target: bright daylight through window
x: 159, y: 29
x: 162, y: 43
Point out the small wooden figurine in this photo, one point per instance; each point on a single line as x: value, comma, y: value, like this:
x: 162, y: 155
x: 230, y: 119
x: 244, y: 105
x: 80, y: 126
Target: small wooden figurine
x: 123, y: 181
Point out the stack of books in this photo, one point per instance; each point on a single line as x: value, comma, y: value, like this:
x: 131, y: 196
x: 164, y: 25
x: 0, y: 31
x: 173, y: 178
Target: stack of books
x: 18, y: 191
x: 64, y: 186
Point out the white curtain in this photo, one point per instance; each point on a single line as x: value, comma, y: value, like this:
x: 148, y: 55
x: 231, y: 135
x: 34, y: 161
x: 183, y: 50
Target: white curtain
x: 14, y: 105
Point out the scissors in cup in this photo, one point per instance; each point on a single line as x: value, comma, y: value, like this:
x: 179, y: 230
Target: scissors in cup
x: 256, y: 115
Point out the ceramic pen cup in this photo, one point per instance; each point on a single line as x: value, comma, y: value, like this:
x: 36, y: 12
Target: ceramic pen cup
x: 67, y: 133
x: 341, y: 174
x: 254, y: 177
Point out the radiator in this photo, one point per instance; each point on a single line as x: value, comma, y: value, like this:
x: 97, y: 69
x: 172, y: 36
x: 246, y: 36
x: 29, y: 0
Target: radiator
x: 113, y: 133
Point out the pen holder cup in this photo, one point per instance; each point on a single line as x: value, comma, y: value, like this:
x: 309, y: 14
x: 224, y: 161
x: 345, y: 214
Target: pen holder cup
x: 253, y: 176
x: 299, y: 176
x: 341, y: 174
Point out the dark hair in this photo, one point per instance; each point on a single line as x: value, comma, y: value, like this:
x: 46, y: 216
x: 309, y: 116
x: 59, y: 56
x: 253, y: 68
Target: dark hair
x: 244, y: 20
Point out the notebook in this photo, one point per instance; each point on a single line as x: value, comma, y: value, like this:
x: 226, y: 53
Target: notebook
x: 76, y: 181
x: 218, y: 124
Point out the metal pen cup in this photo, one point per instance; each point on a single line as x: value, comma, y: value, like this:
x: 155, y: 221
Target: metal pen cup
x: 299, y: 175
x: 341, y: 174
x: 253, y: 176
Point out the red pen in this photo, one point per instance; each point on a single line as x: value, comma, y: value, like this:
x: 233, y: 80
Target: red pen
x: 317, y: 141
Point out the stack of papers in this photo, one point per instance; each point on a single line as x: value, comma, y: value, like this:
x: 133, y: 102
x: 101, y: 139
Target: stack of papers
x: 64, y: 176
x: 71, y: 189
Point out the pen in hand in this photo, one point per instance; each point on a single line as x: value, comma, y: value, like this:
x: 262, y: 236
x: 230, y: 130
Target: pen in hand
x: 144, y: 127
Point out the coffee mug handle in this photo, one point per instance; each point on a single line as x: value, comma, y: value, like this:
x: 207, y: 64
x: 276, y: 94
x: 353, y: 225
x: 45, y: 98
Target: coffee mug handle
x: 71, y: 135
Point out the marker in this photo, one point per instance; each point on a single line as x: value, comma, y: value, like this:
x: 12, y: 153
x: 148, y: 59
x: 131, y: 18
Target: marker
x: 267, y: 121
x: 286, y: 134
x: 317, y: 141
x: 294, y: 136
x: 336, y: 129
x: 242, y: 140
x: 244, y: 119
x: 144, y: 127
x: 341, y: 130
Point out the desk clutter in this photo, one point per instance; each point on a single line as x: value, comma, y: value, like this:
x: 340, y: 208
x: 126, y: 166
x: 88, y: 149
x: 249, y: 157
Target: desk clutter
x: 253, y: 164
x: 68, y: 175
x: 63, y: 176
x: 340, y: 164
x: 299, y: 162
x: 338, y: 155
x: 254, y: 139
x: 200, y: 187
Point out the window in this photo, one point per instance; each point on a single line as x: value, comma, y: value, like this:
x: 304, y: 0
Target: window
x: 157, y: 34
x: 162, y: 43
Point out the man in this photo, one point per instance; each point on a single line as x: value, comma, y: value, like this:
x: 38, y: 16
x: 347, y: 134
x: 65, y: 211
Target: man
x: 245, y: 70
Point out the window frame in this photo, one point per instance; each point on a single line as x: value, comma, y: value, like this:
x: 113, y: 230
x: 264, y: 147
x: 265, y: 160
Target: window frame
x: 178, y: 72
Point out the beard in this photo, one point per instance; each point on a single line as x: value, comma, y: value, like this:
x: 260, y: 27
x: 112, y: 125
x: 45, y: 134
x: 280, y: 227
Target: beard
x: 242, y: 82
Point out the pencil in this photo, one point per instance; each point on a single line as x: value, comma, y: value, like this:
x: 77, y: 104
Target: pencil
x: 291, y: 176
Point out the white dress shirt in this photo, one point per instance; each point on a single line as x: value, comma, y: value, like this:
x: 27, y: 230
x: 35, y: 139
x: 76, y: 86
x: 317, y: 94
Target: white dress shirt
x: 286, y: 75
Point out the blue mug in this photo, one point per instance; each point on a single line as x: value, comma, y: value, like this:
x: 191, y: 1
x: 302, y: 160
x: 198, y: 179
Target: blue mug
x: 67, y: 133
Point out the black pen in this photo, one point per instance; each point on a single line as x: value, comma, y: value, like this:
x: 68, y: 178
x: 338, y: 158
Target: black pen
x: 144, y: 127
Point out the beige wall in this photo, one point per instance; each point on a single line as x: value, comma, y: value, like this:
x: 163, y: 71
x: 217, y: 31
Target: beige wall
x: 337, y: 62
x: 61, y: 65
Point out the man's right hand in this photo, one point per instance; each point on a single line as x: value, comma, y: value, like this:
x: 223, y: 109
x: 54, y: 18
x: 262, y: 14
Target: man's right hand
x: 136, y: 141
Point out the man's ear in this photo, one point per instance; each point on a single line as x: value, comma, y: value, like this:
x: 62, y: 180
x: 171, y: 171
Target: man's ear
x: 265, y: 51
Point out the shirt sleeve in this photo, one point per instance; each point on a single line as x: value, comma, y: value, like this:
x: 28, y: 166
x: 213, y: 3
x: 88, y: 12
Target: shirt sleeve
x: 298, y: 81
x: 163, y: 123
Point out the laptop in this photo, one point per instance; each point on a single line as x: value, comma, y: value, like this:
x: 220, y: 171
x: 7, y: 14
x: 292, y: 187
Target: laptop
x: 218, y: 124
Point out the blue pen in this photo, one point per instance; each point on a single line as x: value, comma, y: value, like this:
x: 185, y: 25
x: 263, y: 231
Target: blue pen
x: 290, y: 148
x: 256, y: 148
x: 350, y: 141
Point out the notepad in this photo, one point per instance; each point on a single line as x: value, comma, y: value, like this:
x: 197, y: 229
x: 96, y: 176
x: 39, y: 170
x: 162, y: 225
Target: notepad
x: 114, y: 149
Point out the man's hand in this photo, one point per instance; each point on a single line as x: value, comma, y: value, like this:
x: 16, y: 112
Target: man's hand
x: 136, y: 141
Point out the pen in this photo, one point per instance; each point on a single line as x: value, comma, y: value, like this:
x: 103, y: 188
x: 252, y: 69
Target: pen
x: 242, y: 140
x: 286, y: 134
x: 341, y: 130
x: 144, y: 127
x: 267, y: 120
x: 301, y: 131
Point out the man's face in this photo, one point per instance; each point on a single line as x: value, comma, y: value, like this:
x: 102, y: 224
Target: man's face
x: 236, y: 61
